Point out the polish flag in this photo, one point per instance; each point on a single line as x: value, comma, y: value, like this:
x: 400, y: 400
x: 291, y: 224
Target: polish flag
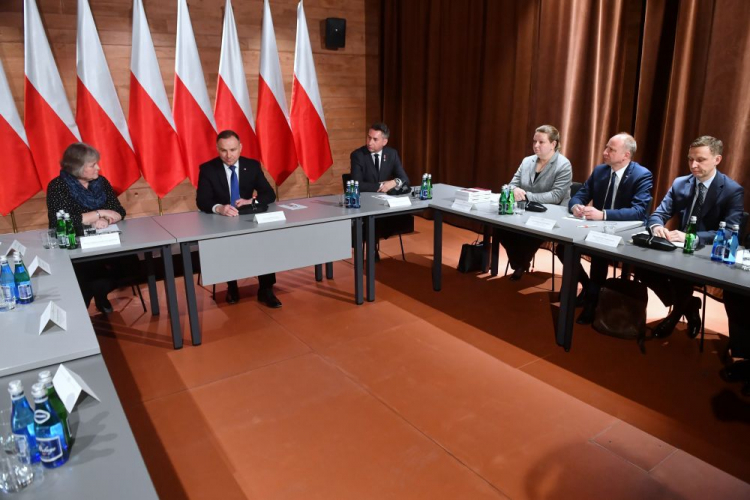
x: 150, y: 117
x: 308, y: 122
x: 98, y: 111
x: 192, y: 108
x: 50, y: 126
x: 20, y: 180
x: 233, y: 110
x: 274, y: 134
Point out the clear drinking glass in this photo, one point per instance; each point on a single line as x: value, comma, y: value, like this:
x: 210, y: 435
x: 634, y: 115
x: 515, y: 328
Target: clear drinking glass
x: 49, y: 238
x: 7, y: 441
x: 745, y: 259
x: 610, y: 227
x: 519, y: 207
x: 14, y: 474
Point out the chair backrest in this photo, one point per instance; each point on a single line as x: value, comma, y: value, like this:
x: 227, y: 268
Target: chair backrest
x: 344, y: 179
x: 574, y: 187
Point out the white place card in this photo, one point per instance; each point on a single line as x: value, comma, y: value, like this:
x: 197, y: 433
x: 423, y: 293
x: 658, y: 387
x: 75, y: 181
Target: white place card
x: 462, y: 206
x: 69, y: 386
x: 541, y: 223
x: 608, y: 240
x: 270, y: 217
x: 398, y: 201
x: 99, y: 240
x: 53, y: 314
x: 16, y: 246
x: 38, y: 264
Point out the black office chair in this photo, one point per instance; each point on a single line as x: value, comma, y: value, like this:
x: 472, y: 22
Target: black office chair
x: 390, y: 226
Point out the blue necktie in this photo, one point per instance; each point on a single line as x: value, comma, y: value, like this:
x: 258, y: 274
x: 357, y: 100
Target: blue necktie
x: 234, y: 193
x: 610, y: 193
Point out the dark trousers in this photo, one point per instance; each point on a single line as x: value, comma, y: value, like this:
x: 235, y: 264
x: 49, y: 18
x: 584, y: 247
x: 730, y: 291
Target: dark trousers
x: 97, y: 278
x: 519, y: 247
x: 739, y: 323
x: 266, y: 282
x: 672, y: 291
x: 591, y: 283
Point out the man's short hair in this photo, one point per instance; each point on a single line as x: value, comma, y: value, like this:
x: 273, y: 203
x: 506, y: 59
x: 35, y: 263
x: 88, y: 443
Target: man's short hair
x: 629, y: 142
x: 76, y: 156
x: 382, y: 128
x: 714, y: 144
x: 227, y: 134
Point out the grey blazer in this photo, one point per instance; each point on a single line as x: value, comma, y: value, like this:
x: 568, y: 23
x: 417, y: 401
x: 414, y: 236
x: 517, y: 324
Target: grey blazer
x: 553, y: 184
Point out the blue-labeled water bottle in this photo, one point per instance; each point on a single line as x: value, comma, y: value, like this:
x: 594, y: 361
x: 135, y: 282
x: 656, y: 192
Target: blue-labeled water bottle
x: 45, y: 378
x: 348, y: 195
x: 720, y: 241
x: 355, y: 195
x: 50, y: 433
x: 22, y: 423
x: 7, y: 286
x: 730, y: 249
x: 25, y: 294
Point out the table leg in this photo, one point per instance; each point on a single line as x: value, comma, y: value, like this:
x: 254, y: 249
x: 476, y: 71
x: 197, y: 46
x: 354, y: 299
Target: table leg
x: 437, y: 252
x: 564, y: 335
x: 318, y: 272
x: 192, y: 305
x: 371, y: 243
x: 486, y: 239
x: 171, y: 289
x: 495, y: 253
x: 358, y: 265
x: 329, y: 270
x: 152, y: 293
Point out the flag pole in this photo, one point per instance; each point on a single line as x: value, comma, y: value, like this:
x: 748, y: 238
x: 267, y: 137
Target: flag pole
x: 276, y: 188
x: 13, y: 221
x: 308, y: 187
x: 161, y: 210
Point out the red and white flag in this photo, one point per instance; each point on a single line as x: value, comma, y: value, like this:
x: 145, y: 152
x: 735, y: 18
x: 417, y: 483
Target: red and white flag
x: 98, y: 111
x: 308, y: 122
x: 20, y: 181
x: 49, y: 122
x: 232, y: 109
x: 150, y: 117
x: 192, y: 109
x: 274, y: 133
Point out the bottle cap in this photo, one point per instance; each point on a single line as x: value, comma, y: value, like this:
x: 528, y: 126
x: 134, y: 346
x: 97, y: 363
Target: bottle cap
x: 38, y: 391
x: 693, y: 219
x: 3, y: 259
x: 722, y: 224
x: 15, y: 387
x: 45, y: 376
x: 735, y: 227
x: 16, y: 256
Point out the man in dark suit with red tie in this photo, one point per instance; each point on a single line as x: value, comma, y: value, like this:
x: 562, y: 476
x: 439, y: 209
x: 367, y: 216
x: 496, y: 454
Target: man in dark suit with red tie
x: 376, y: 166
x: 224, y: 185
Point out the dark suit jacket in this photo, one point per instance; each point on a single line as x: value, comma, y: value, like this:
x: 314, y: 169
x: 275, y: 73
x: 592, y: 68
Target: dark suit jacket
x: 723, y: 203
x: 633, y: 198
x: 213, y: 187
x: 363, y: 168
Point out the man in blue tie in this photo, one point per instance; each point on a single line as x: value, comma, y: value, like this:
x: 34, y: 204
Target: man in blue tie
x: 224, y: 185
x: 618, y: 190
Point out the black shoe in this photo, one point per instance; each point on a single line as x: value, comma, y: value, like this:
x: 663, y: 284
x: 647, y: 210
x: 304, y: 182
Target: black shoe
x: 517, y: 273
x: 581, y: 298
x: 739, y: 371
x: 268, y: 298
x: 103, y: 305
x: 587, y: 315
x: 693, y: 316
x: 666, y: 327
x: 233, y: 293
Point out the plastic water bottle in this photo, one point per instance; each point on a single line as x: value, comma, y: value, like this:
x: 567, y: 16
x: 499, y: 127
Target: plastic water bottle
x: 7, y: 286
x: 25, y: 294
x: 730, y: 249
x: 355, y: 195
x: 62, y: 235
x: 50, y: 434
x: 22, y: 422
x: 717, y: 251
x: 45, y: 378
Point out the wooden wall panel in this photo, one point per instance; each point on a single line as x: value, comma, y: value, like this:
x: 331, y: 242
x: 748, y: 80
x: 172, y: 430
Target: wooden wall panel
x: 346, y: 76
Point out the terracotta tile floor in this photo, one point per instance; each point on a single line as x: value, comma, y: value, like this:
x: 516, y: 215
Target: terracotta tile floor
x: 461, y: 394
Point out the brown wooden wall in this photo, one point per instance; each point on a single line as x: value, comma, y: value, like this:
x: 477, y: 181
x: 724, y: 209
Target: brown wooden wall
x: 348, y: 77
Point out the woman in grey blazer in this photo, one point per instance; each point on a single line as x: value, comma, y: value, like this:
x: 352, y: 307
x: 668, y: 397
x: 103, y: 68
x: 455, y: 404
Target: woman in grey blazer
x: 543, y: 177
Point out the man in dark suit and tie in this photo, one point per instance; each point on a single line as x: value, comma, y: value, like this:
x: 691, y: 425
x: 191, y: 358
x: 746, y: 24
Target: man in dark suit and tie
x: 618, y: 190
x: 710, y: 196
x: 225, y: 184
x: 376, y: 166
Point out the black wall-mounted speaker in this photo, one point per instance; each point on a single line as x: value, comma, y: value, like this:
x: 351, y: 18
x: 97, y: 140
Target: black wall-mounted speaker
x: 335, y: 33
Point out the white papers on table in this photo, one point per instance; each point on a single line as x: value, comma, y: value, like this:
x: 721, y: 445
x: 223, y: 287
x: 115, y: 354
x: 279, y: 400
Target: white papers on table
x: 112, y: 228
x: 293, y: 206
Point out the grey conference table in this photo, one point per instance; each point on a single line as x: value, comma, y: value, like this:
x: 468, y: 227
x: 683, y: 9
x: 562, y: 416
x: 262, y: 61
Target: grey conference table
x: 143, y: 235
x: 697, y: 268
x: 568, y: 232
x: 105, y: 461
x: 319, y: 233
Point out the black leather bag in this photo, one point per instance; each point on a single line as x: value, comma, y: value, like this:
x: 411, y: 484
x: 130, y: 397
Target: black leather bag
x: 621, y: 311
x: 654, y: 242
x: 535, y: 206
x: 253, y: 208
x: 473, y: 258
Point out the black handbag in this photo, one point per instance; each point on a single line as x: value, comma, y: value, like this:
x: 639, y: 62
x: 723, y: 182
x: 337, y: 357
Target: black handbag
x: 621, y: 310
x: 535, y: 206
x: 655, y: 242
x: 473, y: 258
